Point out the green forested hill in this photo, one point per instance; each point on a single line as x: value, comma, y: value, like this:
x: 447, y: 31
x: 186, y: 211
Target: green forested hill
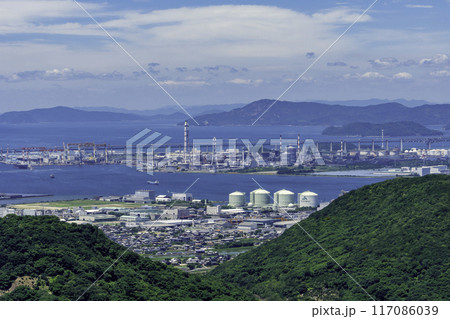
x: 65, y: 259
x: 392, y: 237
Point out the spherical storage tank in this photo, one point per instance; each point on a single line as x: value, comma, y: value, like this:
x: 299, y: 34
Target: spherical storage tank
x: 307, y: 199
x: 236, y: 199
x: 260, y: 198
x: 283, y: 198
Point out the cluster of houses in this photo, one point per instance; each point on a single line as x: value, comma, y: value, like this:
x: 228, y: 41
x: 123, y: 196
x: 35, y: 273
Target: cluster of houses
x: 179, y: 235
x: 146, y: 196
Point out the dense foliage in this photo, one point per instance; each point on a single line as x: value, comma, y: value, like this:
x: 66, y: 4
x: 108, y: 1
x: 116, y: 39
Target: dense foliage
x: 403, y: 128
x: 392, y: 237
x: 66, y: 259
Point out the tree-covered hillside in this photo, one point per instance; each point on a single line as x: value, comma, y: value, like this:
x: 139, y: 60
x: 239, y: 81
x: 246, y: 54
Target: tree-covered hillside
x: 60, y: 261
x: 392, y: 237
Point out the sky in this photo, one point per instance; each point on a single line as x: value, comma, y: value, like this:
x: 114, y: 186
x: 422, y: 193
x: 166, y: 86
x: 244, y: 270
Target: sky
x: 220, y: 52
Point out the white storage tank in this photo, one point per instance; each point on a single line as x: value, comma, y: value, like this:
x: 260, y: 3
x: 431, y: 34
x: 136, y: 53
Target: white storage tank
x: 236, y: 199
x: 308, y: 199
x: 260, y: 198
x: 283, y: 198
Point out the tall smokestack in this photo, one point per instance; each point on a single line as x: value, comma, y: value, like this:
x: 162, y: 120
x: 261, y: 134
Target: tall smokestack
x: 214, y: 159
x: 186, y: 141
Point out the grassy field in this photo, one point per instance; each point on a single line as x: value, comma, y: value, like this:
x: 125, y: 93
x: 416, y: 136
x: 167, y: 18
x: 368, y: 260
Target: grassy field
x: 87, y: 204
x: 234, y: 249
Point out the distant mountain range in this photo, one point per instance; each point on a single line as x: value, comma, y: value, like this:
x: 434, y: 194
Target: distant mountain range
x: 409, y: 103
x: 194, y: 110
x: 64, y: 114
x: 404, y: 128
x: 310, y: 113
x: 166, y: 115
x: 281, y: 113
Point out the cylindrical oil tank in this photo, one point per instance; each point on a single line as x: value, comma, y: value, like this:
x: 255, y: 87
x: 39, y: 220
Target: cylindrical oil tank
x: 260, y: 198
x: 308, y: 199
x: 283, y: 198
x: 236, y: 199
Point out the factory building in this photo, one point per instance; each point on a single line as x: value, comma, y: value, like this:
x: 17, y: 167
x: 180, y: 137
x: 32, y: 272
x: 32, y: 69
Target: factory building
x: 176, y: 213
x: 140, y: 196
x: 283, y: 198
x: 291, y: 155
x: 134, y: 218
x: 260, y: 198
x: 236, y: 199
x: 187, y: 197
x: 213, y: 210
x: 307, y: 199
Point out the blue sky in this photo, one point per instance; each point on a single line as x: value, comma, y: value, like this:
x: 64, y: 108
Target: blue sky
x: 214, y: 52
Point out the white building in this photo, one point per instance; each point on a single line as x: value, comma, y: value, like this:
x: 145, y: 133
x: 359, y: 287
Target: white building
x: 163, y: 198
x: 140, y: 196
x: 6, y: 211
x: 182, y: 196
x: 176, y: 213
x: 247, y: 226
x: 134, y: 219
x: 213, y: 210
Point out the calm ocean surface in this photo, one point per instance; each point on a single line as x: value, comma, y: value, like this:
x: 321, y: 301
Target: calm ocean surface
x: 73, y: 182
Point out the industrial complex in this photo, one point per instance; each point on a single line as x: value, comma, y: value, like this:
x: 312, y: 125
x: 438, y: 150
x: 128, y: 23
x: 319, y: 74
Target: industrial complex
x: 215, y: 154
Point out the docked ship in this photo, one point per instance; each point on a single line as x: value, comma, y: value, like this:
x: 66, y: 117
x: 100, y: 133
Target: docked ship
x: 22, y: 166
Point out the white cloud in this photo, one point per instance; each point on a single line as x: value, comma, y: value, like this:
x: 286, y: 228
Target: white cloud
x: 390, y: 63
x: 384, y: 63
x: 438, y: 59
x: 183, y: 83
x: 14, y: 11
x: 245, y: 81
x: 247, y: 35
x: 402, y: 76
x: 341, y: 16
x: 440, y: 73
x: 36, y: 16
x: 66, y: 74
x: 233, y: 30
x: 420, y: 6
x: 372, y: 75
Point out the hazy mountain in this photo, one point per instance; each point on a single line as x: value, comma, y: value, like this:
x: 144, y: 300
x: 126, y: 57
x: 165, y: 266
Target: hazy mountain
x: 404, y: 128
x: 167, y: 110
x: 391, y: 237
x: 310, y: 113
x: 67, y: 114
x: 409, y: 103
x: 64, y: 114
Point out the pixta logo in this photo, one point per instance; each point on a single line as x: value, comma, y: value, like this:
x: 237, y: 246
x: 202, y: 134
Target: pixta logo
x: 140, y: 150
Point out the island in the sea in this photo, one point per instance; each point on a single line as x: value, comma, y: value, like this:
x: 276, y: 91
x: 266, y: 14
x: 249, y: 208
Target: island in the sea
x: 402, y: 128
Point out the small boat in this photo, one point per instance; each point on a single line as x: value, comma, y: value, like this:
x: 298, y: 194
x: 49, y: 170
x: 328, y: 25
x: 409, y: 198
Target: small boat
x: 153, y: 182
x: 52, y: 176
